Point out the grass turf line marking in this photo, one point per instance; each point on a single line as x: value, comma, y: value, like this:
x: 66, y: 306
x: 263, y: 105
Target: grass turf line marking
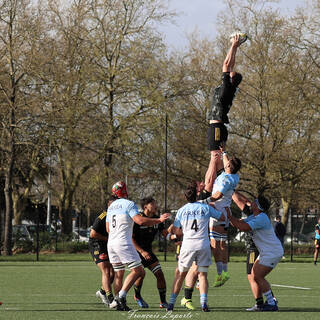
x: 291, y: 287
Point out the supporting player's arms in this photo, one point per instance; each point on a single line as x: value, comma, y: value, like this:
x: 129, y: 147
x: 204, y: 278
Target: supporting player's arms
x: 216, y: 196
x: 239, y: 224
x: 144, y: 221
x: 240, y: 200
x: 95, y: 235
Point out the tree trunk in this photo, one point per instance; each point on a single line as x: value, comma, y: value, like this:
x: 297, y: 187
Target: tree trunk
x: 9, y: 209
x: 286, y: 207
x: 65, y: 212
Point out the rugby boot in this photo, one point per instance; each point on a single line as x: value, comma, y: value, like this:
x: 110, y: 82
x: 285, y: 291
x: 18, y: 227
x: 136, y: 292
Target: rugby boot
x: 170, y: 307
x: 122, y: 304
x: 224, y: 277
x: 255, y: 308
x: 187, y: 303
x: 205, y: 308
x: 270, y: 307
x: 141, y: 303
x: 103, y: 297
x: 218, y: 282
x: 164, y: 305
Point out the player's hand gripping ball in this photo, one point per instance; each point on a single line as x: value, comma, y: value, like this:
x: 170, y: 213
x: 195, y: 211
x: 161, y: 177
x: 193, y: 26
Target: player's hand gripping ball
x: 242, y: 36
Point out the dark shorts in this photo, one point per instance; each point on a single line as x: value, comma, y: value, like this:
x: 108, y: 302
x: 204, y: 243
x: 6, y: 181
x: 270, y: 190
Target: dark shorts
x: 148, y: 263
x: 252, y: 256
x: 217, y: 133
x: 98, y: 250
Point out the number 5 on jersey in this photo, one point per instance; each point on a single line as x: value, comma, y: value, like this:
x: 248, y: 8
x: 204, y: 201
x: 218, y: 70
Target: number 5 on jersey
x: 114, y: 221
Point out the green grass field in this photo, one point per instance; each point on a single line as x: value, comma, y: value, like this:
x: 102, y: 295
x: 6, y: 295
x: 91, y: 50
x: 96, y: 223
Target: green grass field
x: 66, y: 290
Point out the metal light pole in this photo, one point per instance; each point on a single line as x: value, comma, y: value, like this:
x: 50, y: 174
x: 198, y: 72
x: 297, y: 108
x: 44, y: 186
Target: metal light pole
x: 49, y: 190
x: 166, y: 179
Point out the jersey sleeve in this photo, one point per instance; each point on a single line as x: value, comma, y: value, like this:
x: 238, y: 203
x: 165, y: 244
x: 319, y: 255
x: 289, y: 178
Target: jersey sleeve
x: 96, y: 224
x: 261, y: 221
x: 133, y: 210
x: 214, y: 213
x: 177, y: 222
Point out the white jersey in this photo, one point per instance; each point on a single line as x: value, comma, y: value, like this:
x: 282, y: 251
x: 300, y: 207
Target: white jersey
x: 119, y: 216
x: 264, y: 236
x: 225, y: 183
x: 193, y: 218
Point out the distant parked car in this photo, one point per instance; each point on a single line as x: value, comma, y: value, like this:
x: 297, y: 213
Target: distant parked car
x: 297, y: 238
x: 32, y: 228
x: 20, y: 232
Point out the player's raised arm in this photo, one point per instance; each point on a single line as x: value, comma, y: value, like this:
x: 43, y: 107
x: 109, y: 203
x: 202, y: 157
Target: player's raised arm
x: 144, y: 221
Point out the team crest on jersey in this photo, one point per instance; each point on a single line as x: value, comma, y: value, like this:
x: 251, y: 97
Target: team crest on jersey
x: 103, y: 256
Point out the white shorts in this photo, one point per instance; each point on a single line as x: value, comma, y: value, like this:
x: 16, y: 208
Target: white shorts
x: 122, y: 253
x: 268, y: 261
x: 202, y: 258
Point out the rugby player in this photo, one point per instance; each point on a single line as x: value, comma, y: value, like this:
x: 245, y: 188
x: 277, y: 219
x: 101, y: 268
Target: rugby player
x: 316, y: 242
x: 143, y: 237
x: 269, y: 247
x: 221, y: 197
x: 121, y: 216
x: 98, y: 242
x: 193, y: 219
x: 221, y: 103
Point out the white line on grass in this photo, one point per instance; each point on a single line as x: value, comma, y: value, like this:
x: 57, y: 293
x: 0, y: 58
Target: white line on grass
x: 291, y: 287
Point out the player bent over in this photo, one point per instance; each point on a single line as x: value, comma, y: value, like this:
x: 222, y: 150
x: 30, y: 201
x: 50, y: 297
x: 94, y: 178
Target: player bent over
x: 143, y: 237
x: 193, y: 219
x: 268, y: 245
x: 98, y: 243
x: 121, y: 216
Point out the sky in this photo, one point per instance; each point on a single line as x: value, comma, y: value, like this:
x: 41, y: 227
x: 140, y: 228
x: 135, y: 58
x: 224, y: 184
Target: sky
x: 201, y: 15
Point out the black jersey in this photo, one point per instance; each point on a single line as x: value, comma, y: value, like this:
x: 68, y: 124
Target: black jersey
x: 145, y: 235
x: 222, y: 100
x: 99, y: 224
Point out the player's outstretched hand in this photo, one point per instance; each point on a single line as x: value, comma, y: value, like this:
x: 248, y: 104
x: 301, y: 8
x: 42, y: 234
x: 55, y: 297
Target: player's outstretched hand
x: 165, y: 216
x: 235, y: 40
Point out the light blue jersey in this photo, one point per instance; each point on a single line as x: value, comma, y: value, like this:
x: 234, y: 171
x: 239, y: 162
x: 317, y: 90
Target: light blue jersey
x: 194, y: 218
x: 264, y: 236
x: 317, y: 236
x: 119, y: 216
x: 226, y: 183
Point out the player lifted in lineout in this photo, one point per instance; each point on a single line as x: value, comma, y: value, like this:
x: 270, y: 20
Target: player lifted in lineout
x: 121, y: 216
x: 223, y: 96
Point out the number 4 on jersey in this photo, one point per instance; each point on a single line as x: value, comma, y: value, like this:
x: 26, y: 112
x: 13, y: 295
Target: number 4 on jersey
x: 194, y: 225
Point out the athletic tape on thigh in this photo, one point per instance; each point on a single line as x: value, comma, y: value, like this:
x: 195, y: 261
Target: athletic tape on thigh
x: 118, y: 267
x: 134, y: 264
x: 156, y: 268
x: 203, y: 269
x: 218, y: 236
